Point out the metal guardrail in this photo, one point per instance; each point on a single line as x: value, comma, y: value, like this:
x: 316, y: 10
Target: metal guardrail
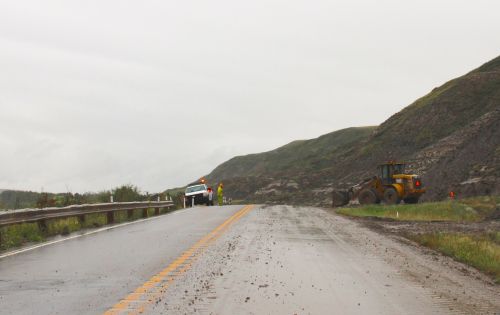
x: 41, y: 215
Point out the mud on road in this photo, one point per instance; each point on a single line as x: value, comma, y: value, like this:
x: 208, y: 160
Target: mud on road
x: 301, y: 260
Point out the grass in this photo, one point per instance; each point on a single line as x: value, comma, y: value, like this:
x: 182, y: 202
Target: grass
x: 17, y: 235
x: 467, y: 210
x: 122, y: 216
x: 62, y: 226
x: 480, y: 251
x: 495, y: 237
x: 485, y: 205
x: 94, y: 220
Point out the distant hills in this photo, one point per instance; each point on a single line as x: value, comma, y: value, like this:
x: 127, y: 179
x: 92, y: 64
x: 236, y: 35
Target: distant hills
x: 450, y: 136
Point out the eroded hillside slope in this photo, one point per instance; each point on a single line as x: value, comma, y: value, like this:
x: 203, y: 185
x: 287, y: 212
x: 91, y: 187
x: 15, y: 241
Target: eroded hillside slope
x: 451, y: 137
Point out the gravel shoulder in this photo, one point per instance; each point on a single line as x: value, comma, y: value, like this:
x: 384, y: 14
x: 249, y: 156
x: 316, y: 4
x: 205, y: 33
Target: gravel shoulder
x: 302, y: 260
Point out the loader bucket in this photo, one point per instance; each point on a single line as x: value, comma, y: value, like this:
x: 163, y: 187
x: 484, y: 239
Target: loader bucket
x: 340, y: 198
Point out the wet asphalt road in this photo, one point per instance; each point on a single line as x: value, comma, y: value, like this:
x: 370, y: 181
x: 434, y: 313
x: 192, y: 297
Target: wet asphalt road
x: 89, y: 274
x: 270, y: 260
x: 302, y: 260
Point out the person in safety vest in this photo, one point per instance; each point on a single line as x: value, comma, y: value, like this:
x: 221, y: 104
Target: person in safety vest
x: 220, y: 194
x: 452, y: 195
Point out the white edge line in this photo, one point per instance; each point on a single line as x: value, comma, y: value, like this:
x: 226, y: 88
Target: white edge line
x: 19, y: 251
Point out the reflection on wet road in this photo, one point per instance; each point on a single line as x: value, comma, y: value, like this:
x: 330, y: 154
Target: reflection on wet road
x: 88, y: 275
x: 240, y: 260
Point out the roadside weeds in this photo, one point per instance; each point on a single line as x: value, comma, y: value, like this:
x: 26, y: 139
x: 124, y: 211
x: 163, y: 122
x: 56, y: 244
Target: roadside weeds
x: 18, y: 235
x: 479, y: 251
x: 466, y: 230
x: 467, y: 210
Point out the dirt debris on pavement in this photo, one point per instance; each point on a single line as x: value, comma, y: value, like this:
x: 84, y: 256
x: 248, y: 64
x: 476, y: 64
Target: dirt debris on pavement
x: 302, y: 260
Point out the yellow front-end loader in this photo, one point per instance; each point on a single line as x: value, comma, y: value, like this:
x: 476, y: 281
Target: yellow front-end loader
x: 392, y: 186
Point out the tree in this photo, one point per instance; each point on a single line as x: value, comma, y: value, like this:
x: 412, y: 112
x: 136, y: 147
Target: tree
x: 127, y: 193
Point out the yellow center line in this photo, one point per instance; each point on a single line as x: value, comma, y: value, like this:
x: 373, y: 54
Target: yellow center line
x: 145, y: 295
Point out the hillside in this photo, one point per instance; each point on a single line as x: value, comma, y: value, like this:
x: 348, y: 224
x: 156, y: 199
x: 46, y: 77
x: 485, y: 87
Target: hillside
x: 297, y: 157
x: 451, y: 137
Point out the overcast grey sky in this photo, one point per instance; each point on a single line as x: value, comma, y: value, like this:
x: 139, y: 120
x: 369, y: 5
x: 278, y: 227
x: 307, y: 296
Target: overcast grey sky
x: 94, y: 94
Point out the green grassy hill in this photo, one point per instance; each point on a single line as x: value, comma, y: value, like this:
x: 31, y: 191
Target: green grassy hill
x: 451, y: 137
x: 298, y: 156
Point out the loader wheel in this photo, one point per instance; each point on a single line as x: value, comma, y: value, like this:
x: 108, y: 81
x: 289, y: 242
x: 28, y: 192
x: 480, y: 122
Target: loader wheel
x: 411, y: 200
x: 367, y: 197
x: 391, y: 196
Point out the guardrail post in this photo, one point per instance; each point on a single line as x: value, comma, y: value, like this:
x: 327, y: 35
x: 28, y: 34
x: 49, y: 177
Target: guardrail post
x: 157, y: 211
x: 145, y: 213
x: 42, y: 225
x: 81, y: 219
x: 130, y: 213
x: 110, y: 217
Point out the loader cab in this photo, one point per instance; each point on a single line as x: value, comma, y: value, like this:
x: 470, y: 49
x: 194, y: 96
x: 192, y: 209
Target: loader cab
x: 388, y: 170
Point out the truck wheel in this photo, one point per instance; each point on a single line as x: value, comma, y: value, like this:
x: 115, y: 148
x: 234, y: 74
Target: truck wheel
x: 391, y: 196
x: 411, y: 200
x: 367, y: 197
